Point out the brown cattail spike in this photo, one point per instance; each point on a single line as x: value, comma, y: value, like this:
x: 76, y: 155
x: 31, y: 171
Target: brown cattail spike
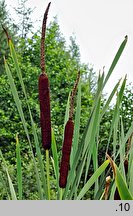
x: 68, y: 136
x: 72, y: 96
x: 42, y: 63
x: 44, y: 92
x: 66, y: 150
x: 45, y: 118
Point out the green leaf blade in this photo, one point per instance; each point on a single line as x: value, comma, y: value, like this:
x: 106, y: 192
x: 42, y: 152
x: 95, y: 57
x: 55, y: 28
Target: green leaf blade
x: 92, y: 180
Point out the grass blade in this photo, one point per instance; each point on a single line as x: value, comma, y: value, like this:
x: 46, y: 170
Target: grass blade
x: 16, y: 65
x: 91, y: 136
x: 55, y: 161
x: 76, y: 125
x: 120, y: 182
x: 19, y: 168
x: 125, y: 139
x: 117, y: 56
x: 19, y: 107
x: 92, y: 180
x: 109, y: 100
x: 131, y: 178
x: 115, y: 119
x: 122, y: 186
x: 77, y: 178
x: 12, y: 190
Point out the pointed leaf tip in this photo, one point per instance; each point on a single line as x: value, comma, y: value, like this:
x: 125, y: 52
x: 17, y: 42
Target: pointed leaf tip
x: 6, y: 32
x: 126, y: 37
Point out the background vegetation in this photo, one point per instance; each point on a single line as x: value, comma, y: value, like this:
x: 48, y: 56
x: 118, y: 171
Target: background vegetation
x: 62, y: 64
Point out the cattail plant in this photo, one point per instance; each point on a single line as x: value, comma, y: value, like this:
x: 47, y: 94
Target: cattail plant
x: 44, y: 98
x: 86, y: 149
x: 44, y: 92
x: 68, y: 136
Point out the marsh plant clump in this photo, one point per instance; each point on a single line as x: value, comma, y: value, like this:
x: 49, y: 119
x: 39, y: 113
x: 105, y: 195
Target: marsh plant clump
x: 111, y: 178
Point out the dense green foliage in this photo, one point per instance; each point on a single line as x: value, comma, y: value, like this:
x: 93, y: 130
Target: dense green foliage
x: 62, y: 64
x: 7, y: 22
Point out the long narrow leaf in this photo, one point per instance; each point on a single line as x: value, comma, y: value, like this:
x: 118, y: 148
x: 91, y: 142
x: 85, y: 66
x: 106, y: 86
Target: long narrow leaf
x: 16, y: 65
x: 77, y: 177
x: 115, y: 119
x: 114, y: 63
x: 19, y: 107
x: 125, y: 139
x: 122, y: 186
x: 55, y: 161
x: 12, y: 190
x: 76, y: 124
x: 19, y: 168
x: 109, y: 99
x: 92, y: 180
x: 91, y: 136
x: 120, y: 182
x: 131, y: 178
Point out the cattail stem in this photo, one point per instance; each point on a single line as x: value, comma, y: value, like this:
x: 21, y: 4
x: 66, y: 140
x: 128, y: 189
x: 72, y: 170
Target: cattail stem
x: 61, y: 192
x: 47, y: 171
